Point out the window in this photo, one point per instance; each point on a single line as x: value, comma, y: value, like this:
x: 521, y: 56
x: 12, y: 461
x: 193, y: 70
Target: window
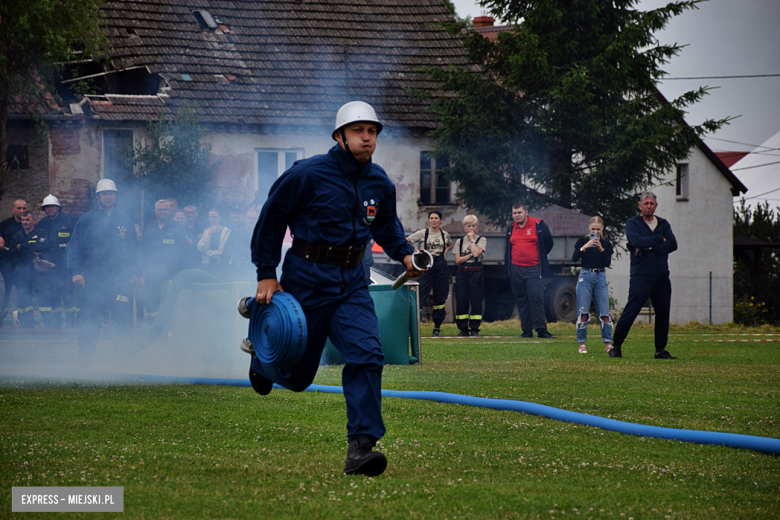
x: 205, y: 20
x: 434, y: 188
x: 117, y: 150
x: 681, y: 183
x: 270, y: 165
x: 18, y: 157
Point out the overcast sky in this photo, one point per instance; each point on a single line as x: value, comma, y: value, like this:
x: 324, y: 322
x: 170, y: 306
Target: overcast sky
x: 724, y: 38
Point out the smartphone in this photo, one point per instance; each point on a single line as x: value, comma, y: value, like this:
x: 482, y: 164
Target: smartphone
x: 594, y: 236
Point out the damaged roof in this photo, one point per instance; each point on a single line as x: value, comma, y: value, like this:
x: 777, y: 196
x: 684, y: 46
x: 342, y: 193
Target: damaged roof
x: 276, y: 62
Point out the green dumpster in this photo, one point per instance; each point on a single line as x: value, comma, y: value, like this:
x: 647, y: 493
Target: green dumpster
x: 398, y: 326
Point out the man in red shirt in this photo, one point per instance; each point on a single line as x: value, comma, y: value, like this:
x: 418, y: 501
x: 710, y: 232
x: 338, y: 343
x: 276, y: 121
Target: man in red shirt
x: 528, y: 241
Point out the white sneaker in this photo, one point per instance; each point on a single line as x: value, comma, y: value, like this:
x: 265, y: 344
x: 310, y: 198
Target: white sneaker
x: 583, y: 349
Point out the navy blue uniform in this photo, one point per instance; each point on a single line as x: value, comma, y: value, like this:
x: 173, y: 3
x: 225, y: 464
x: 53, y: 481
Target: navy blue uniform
x: 8, y: 228
x: 163, y: 254
x: 104, y: 249
x: 29, y: 282
x: 333, y: 200
x: 649, y: 252
x: 61, y: 295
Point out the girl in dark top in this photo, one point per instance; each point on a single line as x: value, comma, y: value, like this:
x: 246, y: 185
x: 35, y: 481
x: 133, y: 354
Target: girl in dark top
x: 596, y: 255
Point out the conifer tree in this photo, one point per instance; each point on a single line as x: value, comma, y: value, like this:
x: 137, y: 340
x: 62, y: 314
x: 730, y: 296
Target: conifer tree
x: 564, y: 108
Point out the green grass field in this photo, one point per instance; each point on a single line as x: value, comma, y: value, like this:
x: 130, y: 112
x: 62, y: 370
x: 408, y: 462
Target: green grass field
x: 223, y: 452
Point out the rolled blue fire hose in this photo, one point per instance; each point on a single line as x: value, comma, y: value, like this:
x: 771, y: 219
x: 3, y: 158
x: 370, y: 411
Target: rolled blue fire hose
x: 277, y: 330
x: 730, y: 440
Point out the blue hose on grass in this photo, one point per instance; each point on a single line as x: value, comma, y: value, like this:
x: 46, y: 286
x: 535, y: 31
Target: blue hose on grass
x: 730, y: 440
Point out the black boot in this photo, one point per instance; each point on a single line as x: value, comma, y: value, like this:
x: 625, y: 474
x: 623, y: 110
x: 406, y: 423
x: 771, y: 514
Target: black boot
x: 616, y: 352
x: 260, y: 384
x: 361, y: 460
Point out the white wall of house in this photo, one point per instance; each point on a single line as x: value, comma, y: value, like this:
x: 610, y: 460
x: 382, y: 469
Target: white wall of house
x: 702, y: 224
x: 237, y: 155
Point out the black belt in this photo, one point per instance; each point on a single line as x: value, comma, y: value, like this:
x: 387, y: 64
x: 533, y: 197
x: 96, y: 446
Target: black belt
x: 599, y: 270
x: 350, y: 256
x: 469, y: 268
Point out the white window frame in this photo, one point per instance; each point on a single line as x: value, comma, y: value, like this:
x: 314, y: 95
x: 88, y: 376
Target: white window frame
x: 434, y: 180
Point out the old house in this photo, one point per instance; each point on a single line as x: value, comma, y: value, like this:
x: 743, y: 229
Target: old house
x: 267, y: 77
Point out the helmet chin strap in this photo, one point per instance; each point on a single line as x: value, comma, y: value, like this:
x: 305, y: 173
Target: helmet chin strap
x: 346, y: 145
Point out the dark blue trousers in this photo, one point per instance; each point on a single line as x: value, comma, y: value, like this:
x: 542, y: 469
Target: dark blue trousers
x: 103, y: 290
x: 660, y: 293
x: 350, y: 321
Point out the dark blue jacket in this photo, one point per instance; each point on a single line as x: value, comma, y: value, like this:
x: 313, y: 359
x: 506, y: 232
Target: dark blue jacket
x: 545, y: 244
x: 59, y: 231
x: 163, y: 251
x: 330, y: 199
x: 649, y: 253
x: 24, y: 246
x: 104, y: 242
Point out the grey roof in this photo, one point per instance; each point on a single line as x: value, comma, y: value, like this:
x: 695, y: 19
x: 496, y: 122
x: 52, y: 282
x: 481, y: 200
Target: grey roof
x: 279, y: 62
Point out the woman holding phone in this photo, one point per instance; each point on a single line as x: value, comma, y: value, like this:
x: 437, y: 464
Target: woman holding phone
x: 596, y: 254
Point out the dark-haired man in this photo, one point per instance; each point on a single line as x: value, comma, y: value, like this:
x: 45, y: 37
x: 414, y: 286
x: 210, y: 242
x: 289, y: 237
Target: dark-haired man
x: 334, y: 204
x: 528, y: 241
x: 28, y: 244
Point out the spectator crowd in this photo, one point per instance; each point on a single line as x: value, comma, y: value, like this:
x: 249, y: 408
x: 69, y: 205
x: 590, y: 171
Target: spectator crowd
x: 68, y: 264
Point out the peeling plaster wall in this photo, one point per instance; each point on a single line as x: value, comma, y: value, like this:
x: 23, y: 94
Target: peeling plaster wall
x: 30, y: 184
x: 74, y: 164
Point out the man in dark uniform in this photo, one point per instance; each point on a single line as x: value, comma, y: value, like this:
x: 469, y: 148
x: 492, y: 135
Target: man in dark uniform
x: 334, y: 204
x: 163, y: 255
x: 649, y: 241
x: 103, y: 263
x: 27, y: 245
x: 8, y: 228
x: 61, y: 297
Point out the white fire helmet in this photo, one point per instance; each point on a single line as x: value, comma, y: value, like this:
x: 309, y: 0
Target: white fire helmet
x: 353, y: 112
x: 50, y: 200
x: 105, y: 185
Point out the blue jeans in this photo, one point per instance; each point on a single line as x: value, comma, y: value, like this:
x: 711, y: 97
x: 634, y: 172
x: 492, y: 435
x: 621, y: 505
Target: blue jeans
x: 593, y: 287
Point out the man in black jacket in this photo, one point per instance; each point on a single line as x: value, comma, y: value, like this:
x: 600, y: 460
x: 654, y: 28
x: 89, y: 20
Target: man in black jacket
x: 528, y: 241
x: 28, y: 244
x: 650, y: 240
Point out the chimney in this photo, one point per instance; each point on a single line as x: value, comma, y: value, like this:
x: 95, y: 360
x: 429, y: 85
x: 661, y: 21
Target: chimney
x: 483, y: 21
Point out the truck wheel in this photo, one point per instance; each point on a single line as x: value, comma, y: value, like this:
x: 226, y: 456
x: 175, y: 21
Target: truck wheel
x: 561, y: 301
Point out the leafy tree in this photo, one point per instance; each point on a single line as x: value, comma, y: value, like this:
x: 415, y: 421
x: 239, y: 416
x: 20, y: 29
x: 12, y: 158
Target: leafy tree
x: 563, y: 108
x: 37, y: 38
x: 172, y: 161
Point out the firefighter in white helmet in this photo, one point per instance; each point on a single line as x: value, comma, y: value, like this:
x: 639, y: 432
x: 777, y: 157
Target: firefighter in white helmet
x: 59, y: 229
x: 103, y: 264
x: 334, y: 204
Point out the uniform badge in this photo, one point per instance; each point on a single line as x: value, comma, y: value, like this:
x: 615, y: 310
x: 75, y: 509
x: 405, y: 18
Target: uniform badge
x: 528, y: 231
x: 370, y: 213
x: 122, y: 232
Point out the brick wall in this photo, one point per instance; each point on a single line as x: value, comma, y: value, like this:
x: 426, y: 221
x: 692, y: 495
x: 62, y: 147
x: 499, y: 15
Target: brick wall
x: 76, y: 199
x: 64, y: 140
